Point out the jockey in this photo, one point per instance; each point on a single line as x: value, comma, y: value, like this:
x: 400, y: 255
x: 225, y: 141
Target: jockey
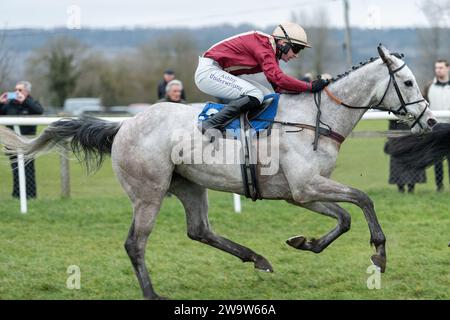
x: 251, y: 53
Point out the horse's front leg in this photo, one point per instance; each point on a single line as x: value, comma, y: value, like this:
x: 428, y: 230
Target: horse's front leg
x: 319, y: 188
x: 331, y: 210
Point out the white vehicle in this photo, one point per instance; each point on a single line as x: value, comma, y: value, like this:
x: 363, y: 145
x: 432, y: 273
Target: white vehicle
x: 135, y: 108
x: 78, y: 106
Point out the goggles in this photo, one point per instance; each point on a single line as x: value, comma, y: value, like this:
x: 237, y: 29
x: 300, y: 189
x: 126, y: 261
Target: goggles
x: 296, y: 48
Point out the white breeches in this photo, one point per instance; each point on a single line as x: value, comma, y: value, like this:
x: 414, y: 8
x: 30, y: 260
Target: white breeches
x: 212, y: 80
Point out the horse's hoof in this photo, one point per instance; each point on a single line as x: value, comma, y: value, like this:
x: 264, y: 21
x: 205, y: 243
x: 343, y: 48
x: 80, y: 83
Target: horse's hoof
x: 268, y: 270
x: 301, y: 243
x: 379, y: 261
x: 297, y: 242
x: 263, y: 265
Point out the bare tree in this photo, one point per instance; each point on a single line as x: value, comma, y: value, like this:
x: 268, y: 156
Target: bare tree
x: 179, y: 52
x: 433, y: 43
x: 6, y: 61
x: 64, y: 67
x: 119, y: 82
x: 133, y: 76
x: 320, y: 58
x: 91, y: 69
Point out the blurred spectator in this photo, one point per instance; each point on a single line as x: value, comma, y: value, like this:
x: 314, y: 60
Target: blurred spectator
x: 398, y: 173
x: 174, y: 91
x: 437, y: 92
x: 168, y: 76
x: 19, y: 103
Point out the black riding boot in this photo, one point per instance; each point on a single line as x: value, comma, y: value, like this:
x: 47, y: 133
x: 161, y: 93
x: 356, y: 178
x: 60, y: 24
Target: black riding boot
x: 229, y: 112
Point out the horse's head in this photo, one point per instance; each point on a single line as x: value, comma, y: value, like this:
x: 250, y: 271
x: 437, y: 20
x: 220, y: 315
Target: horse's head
x: 401, y: 95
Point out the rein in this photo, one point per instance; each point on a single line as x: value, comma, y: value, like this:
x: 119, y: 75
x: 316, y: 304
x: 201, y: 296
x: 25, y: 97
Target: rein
x: 327, y: 132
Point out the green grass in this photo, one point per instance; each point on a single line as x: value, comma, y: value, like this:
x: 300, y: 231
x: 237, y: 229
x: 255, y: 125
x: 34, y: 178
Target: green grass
x: 89, y: 231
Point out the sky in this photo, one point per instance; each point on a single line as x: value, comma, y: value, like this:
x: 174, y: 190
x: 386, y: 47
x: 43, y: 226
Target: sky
x: 195, y: 13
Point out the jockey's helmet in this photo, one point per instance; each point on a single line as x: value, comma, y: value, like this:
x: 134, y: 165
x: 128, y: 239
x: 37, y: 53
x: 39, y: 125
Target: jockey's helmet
x: 293, y: 33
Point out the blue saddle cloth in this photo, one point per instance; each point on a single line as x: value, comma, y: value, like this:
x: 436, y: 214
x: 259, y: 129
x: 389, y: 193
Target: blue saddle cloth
x: 268, y: 113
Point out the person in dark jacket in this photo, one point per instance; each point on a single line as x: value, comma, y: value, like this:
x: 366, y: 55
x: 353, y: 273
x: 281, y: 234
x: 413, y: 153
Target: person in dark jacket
x: 17, y: 104
x: 437, y: 93
x: 168, y: 76
x: 399, y: 174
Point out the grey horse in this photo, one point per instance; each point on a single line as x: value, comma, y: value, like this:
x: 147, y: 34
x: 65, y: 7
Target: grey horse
x: 142, y: 155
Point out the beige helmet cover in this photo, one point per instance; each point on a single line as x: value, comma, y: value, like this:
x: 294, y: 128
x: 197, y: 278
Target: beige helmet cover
x: 296, y: 33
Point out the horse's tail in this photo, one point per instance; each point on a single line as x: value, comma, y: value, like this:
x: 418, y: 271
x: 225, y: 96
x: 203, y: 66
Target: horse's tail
x: 423, y: 151
x: 90, y: 140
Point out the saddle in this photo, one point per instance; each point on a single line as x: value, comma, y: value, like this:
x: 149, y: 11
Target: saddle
x: 259, y: 119
x: 246, y: 127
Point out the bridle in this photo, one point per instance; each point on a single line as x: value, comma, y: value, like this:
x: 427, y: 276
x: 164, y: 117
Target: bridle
x: 328, y: 132
x: 402, y: 110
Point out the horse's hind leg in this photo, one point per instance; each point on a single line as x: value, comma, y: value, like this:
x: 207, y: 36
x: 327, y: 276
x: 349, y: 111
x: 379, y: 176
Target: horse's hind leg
x: 195, y: 202
x: 146, y: 191
x: 143, y: 221
x: 329, y: 209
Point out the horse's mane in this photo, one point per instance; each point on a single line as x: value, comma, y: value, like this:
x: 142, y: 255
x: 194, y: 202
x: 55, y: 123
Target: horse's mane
x: 361, y: 64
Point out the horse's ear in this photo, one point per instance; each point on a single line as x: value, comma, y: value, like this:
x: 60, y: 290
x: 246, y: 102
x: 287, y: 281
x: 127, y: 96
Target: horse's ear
x: 383, y: 52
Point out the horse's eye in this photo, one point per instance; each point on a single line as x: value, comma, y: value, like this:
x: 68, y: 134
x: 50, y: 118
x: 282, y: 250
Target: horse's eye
x: 408, y: 83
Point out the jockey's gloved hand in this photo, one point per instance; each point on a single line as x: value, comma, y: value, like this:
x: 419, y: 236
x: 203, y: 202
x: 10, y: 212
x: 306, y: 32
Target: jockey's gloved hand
x: 319, y: 84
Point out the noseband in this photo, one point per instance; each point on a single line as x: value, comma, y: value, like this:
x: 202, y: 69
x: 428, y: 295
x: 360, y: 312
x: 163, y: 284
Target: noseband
x: 402, y: 111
